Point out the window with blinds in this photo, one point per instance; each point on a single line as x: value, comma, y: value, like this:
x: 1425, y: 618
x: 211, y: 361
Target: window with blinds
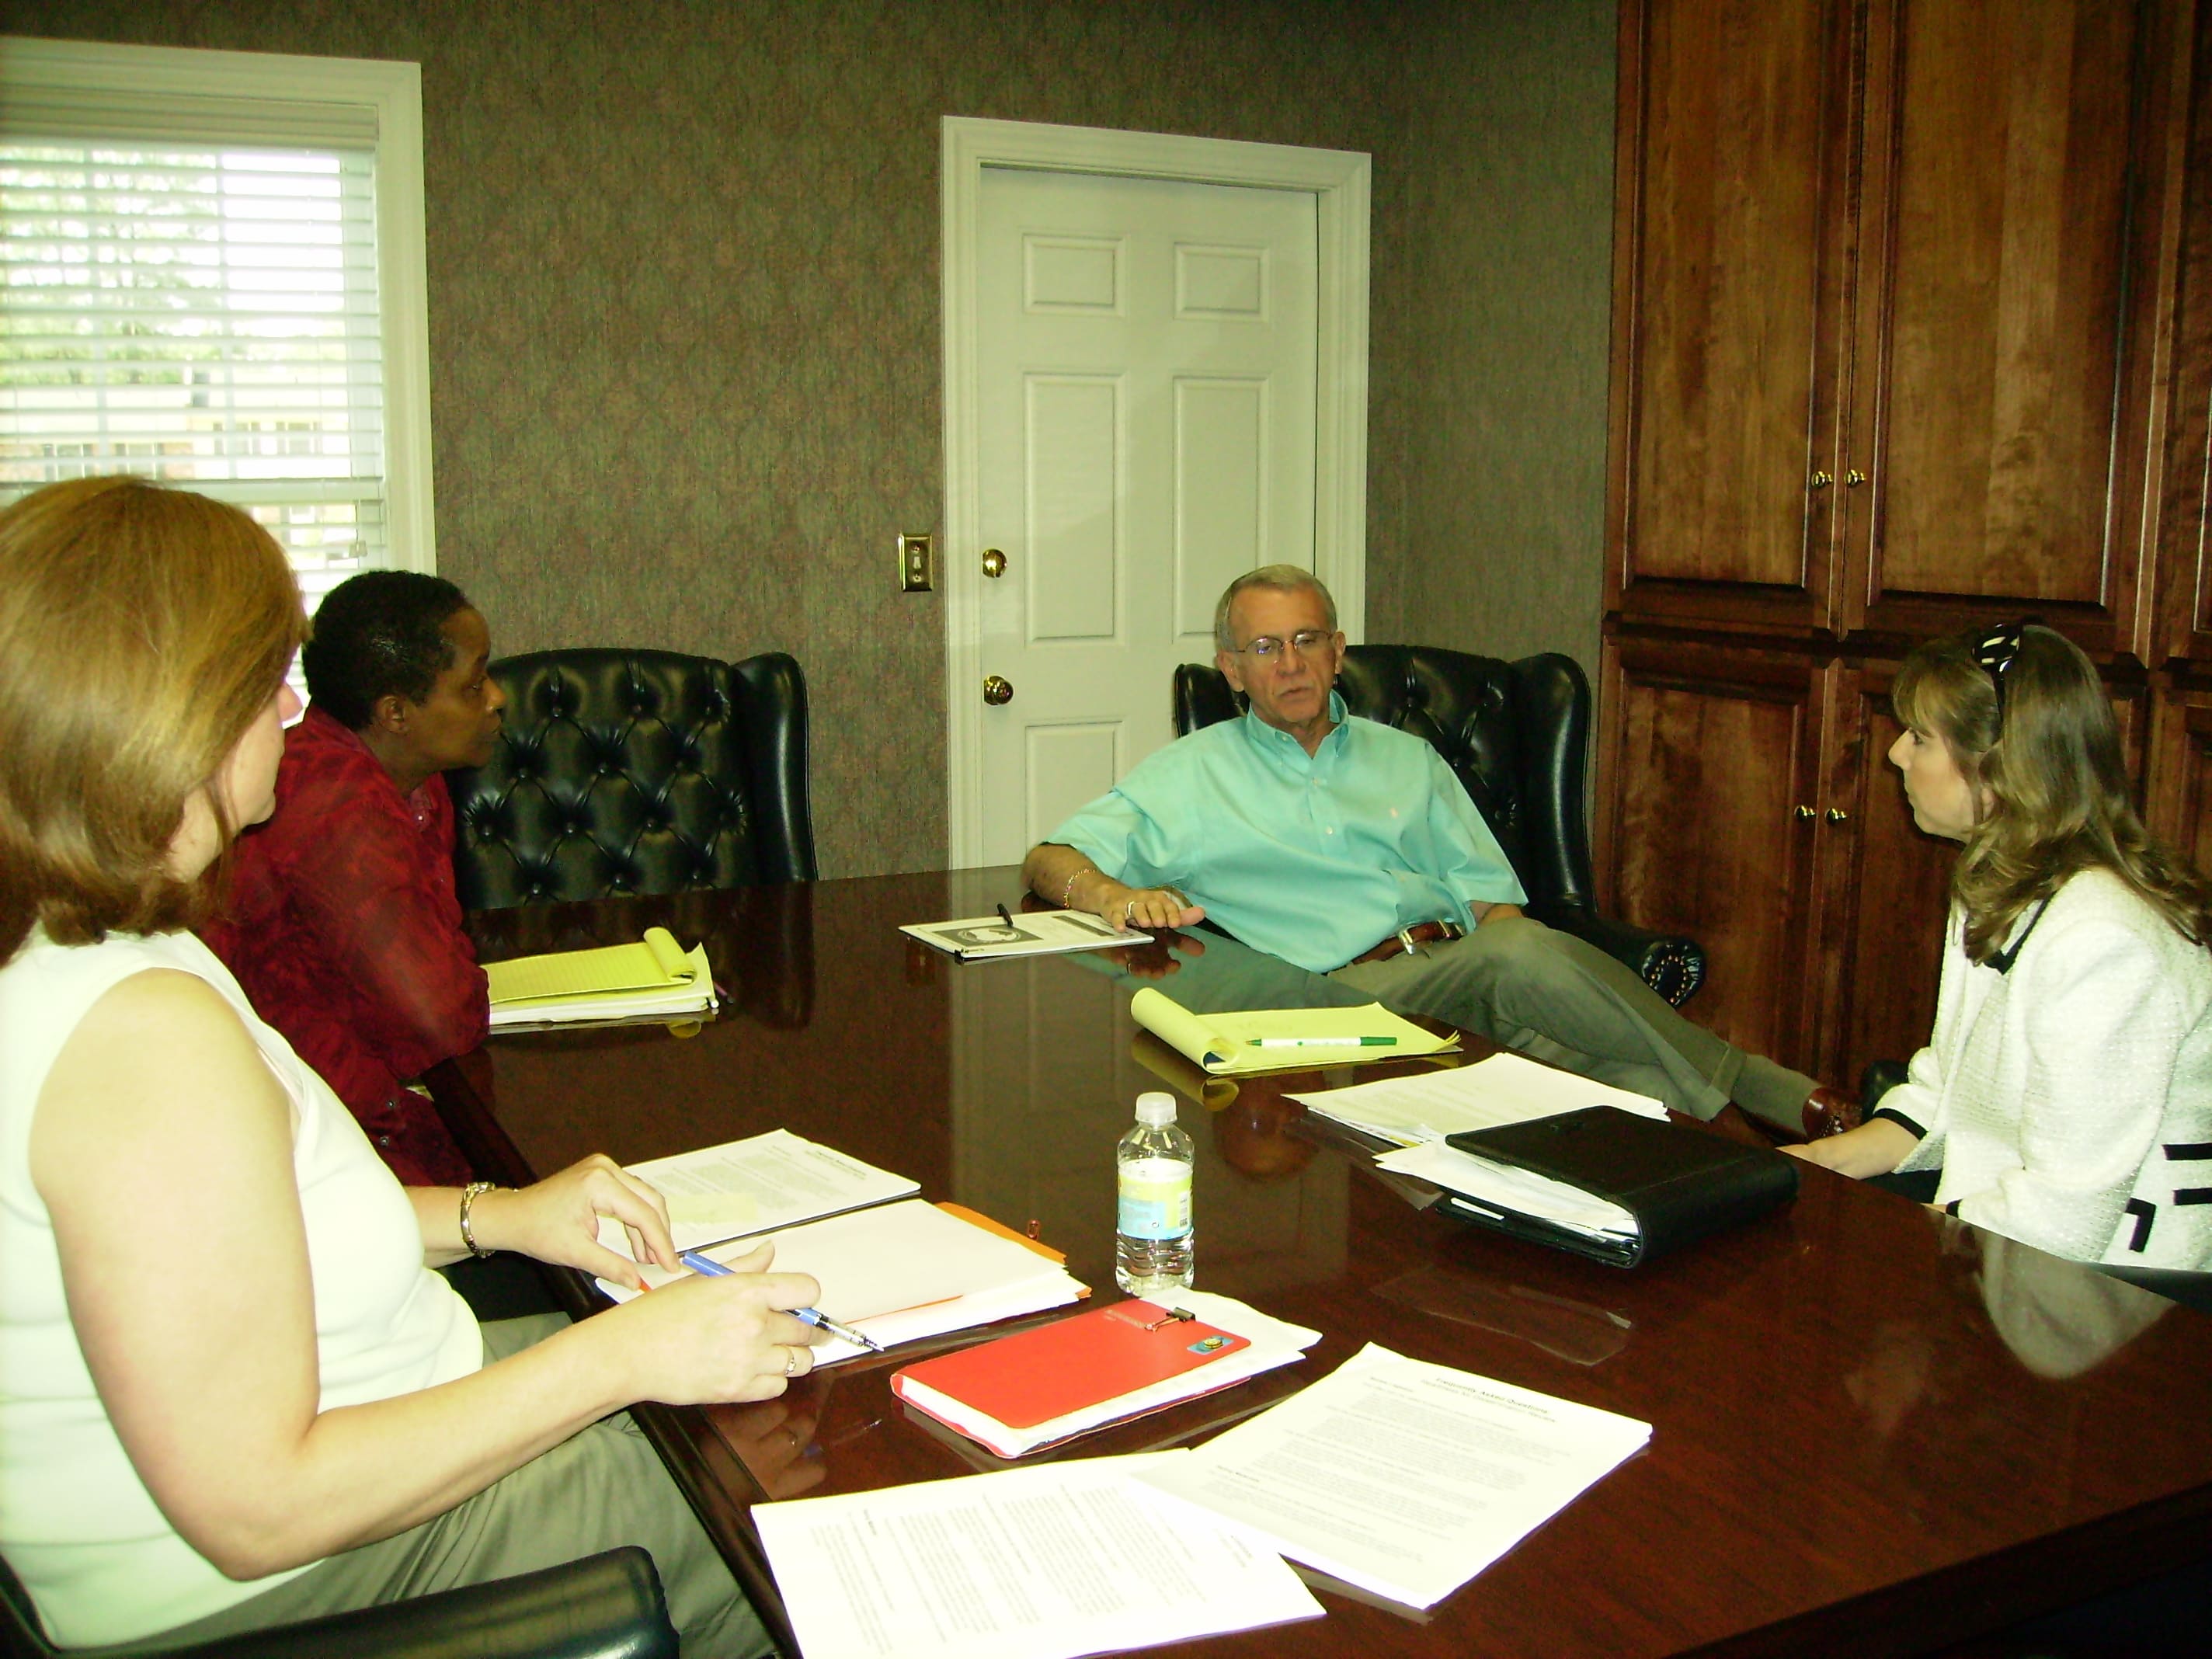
x: 194, y: 287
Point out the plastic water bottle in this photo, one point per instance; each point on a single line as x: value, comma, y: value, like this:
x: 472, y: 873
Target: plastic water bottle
x: 1153, y: 1246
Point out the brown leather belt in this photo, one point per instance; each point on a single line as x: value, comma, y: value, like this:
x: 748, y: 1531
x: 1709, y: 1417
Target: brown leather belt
x: 1421, y: 932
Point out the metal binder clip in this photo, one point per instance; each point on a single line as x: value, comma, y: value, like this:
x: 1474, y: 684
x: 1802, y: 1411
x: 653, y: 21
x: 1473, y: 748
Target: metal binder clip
x: 1170, y: 1318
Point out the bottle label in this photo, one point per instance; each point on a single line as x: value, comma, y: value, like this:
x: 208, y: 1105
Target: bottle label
x: 1155, y: 1199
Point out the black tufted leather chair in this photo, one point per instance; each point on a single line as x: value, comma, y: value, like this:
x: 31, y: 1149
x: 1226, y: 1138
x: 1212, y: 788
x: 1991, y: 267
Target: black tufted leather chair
x: 604, y: 1607
x: 626, y: 772
x: 1517, y: 735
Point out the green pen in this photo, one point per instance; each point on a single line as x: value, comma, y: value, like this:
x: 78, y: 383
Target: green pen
x: 1321, y: 1043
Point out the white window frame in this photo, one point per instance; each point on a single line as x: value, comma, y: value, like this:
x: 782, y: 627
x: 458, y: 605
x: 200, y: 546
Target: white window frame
x: 393, y: 90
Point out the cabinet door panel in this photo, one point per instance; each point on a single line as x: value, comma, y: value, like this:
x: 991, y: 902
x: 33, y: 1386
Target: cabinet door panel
x: 2001, y: 134
x: 2184, y: 558
x: 1725, y: 126
x: 2179, y: 808
x: 1707, y: 759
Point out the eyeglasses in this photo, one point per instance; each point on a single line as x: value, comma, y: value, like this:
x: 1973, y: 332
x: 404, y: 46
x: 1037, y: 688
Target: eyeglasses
x: 1306, y: 642
x: 1996, y: 651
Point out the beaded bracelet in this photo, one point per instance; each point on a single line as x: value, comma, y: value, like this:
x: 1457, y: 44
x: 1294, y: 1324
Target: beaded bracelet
x: 474, y: 1190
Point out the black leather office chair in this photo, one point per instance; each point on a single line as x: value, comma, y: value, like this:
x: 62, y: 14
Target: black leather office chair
x: 1516, y: 734
x: 604, y: 1607
x: 629, y: 772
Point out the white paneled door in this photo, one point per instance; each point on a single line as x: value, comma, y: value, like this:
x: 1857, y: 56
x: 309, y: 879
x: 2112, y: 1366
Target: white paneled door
x: 1145, y: 402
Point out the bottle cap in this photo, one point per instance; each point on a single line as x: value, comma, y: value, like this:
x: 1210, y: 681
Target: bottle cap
x: 1155, y: 1109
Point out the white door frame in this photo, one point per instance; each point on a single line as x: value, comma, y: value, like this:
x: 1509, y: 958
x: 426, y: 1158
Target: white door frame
x: 1339, y: 179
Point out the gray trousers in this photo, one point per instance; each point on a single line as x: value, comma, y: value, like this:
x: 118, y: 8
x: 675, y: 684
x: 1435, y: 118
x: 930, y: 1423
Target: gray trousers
x: 1561, y: 999
x: 599, y: 1489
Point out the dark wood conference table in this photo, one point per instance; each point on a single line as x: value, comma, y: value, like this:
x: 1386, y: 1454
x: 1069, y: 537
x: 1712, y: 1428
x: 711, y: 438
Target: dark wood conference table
x: 1874, y: 1429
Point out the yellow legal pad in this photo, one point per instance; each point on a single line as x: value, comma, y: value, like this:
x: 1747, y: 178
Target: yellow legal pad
x: 653, y: 976
x: 1222, y: 1043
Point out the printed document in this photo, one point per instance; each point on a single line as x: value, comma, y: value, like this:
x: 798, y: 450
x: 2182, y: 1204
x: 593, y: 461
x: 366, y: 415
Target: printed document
x: 1398, y: 1477
x: 1020, y: 933
x: 1425, y: 1106
x: 901, y: 1272
x: 749, y: 1185
x: 1043, y: 1563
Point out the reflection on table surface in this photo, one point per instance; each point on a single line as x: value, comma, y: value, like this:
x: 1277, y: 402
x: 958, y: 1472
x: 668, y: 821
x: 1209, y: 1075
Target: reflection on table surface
x: 1872, y: 1425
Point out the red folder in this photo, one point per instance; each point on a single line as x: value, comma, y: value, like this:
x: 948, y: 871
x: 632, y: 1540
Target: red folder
x: 1036, y: 1376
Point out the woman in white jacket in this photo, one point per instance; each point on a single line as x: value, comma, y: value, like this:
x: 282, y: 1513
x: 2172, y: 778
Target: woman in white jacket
x: 2066, y: 1093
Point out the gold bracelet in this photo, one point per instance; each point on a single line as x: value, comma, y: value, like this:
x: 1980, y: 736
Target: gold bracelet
x: 474, y: 1190
x: 1068, y: 891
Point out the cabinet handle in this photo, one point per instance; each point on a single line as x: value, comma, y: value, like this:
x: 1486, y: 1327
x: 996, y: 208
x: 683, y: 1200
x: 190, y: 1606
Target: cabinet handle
x: 1804, y: 811
x: 1821, y: 481
x: 1854, y: 477
x: 1837, y: 815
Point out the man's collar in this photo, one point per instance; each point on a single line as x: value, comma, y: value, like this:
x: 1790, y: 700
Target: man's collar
x: 1258, y: 731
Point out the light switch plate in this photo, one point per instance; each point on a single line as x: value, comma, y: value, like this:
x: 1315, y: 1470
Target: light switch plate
x: 917, y: 559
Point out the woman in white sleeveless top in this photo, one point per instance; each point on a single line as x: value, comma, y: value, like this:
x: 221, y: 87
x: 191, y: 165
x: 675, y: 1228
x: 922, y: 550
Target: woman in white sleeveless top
x: 232, y: 1394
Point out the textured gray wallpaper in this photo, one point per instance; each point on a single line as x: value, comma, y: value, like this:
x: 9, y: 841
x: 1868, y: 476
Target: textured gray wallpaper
x: 684, y: 320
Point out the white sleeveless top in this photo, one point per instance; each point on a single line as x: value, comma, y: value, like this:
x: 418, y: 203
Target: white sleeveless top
x: 75, y: 1523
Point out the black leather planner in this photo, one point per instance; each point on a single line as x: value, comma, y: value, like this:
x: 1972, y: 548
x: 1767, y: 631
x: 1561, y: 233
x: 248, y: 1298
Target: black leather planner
x: 1679, y: 1183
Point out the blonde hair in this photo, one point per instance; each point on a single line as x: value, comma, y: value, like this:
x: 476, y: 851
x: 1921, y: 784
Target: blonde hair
x: 142, y: 631
x: 2045, y: 762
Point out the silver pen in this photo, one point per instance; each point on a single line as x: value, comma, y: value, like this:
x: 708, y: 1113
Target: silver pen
x: 700, y: 1262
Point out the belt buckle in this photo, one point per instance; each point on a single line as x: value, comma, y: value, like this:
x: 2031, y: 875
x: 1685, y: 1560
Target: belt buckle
x: 1404, y: 938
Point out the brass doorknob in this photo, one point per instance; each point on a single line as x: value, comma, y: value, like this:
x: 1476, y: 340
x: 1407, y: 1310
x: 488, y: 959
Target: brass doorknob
x: 1804, y: 811
x: 997, y: 692
x: 1837, y: 815
x: 1822, y: 480
x: 994, y: 562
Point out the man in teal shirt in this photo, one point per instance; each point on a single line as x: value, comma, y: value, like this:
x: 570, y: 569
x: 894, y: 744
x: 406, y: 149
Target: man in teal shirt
x: 1349, y: 849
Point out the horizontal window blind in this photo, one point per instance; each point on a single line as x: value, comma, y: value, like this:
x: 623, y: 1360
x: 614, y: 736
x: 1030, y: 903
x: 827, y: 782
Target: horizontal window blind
x: 204, y: 310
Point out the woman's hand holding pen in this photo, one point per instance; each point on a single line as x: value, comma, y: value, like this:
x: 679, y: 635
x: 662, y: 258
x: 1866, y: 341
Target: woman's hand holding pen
x: 557, y: 1220
x: 701, y: 1340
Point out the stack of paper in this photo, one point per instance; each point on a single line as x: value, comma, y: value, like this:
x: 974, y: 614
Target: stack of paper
x: 898, y: 1273
x: 1282, y: 1039
x: 1045, y: 1563
x: 655, y: 976
x: 1399, y: 1478
x: 1425, y: 1106
x: 1040, y: 1387
x: 1500, y: 1190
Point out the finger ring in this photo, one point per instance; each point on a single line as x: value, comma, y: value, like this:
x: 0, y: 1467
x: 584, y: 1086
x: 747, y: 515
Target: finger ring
x: 1129, y: 911
x: 791, y: 1362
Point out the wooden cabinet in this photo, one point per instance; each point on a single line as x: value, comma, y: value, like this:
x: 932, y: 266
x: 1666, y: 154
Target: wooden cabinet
x: 1753, y: 804
x: 1887, y: 311
x: 1912, y: 333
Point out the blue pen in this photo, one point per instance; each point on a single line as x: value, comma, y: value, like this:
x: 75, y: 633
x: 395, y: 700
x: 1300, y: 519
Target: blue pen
x: 699, y: 1262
